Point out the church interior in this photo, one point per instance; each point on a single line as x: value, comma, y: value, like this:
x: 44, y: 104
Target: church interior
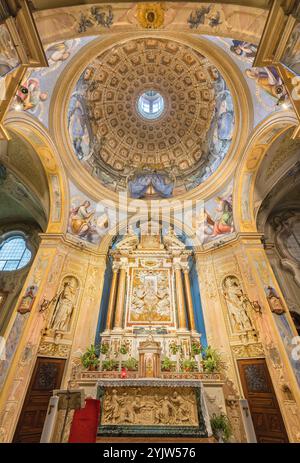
x: 149, y: 221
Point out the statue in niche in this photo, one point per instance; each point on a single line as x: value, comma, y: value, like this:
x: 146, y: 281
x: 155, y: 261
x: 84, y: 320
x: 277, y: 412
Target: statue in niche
x: 237, y: 304
x: 64, y: 305
x: 129, y: 242
x: 171, y: 241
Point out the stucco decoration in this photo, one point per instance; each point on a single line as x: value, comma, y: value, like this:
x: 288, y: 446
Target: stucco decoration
x: 238, y: 21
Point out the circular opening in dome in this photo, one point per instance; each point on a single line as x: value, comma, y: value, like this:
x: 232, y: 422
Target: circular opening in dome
x: 150, y: 105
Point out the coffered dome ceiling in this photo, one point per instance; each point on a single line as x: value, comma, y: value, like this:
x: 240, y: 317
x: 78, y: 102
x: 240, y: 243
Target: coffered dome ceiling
x: 151, y: 107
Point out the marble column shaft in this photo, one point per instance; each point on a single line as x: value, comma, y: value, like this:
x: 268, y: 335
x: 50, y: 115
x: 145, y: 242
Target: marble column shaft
x: 120, y: 299
x: 180, y: 299
x: 112, y: 299
x: 189, y: 300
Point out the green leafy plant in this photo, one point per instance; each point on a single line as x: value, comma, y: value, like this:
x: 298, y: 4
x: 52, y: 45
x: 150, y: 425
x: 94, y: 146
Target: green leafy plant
x: 211, y: 360
x: 90, y: 359
x: 189, y: 365
x: 174, y: 348
x: 221, y: 427
x: 196, y: 348
x: 131, y: 364
x: 104, y: 348
x: 123, y: 349
x: 109, y: 365
x: 166, y: 364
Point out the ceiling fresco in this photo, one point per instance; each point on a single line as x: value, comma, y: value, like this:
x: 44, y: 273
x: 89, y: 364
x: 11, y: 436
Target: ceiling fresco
x: 34, y: 95
x: 267, y: 90
x: 170, y: 154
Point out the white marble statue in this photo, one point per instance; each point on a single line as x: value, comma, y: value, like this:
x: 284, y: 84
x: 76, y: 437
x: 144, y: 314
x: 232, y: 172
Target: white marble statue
x: 64, y: 304
x: 237, y: 305
x: 171, y: 241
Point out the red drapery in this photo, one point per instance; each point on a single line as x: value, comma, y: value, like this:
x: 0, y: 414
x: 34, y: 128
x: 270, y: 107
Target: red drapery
x: 85, y: 422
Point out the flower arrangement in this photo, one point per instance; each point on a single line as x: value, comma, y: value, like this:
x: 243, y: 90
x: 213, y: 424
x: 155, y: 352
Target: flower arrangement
x: 89, y: 359
x: 221, y: 427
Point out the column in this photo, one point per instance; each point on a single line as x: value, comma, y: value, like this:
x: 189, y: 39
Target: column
x: 180, y: 299
x: 189, y: 301
x: 120, y: 299
x: 112, y: 298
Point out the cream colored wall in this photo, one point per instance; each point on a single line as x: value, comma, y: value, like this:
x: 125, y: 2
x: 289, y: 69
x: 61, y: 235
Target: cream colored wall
x: 239, y: 259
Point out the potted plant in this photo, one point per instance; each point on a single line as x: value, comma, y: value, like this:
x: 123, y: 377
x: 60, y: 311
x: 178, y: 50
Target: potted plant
x: 189, y: 365
x: 131, y: 364
x: 174, y: 348
x: 196, y: 348
x: 123, y: 349
x: 166, y: 364
x: 104, y: 348
x: 89, y: 359
x: 221, y: 427
x: 109, y: 365
x: 211, y: 360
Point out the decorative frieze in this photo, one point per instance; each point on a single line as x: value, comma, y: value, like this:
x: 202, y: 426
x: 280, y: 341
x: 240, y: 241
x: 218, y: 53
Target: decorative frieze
x: 51, y: 349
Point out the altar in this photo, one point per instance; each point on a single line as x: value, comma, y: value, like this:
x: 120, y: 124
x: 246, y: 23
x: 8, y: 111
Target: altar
x: 150, y: 379
x: 152, y: 407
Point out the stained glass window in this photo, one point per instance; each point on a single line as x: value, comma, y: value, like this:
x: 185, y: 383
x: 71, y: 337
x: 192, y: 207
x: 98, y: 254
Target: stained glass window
x: 14, y: 254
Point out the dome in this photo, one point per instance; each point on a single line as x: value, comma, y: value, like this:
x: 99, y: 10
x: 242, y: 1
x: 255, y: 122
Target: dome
x: 151, y: 107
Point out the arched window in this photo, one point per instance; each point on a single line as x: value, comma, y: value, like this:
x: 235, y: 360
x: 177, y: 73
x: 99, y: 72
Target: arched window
x: 14, y: 253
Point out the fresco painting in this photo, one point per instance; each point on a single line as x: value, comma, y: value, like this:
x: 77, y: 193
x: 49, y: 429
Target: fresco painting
x: 34, y: 94
x: 85, y: 220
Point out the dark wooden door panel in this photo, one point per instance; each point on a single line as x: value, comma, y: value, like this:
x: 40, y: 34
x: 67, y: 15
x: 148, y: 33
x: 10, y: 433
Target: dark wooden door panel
x: 264, y: 408
x: 47, y: 375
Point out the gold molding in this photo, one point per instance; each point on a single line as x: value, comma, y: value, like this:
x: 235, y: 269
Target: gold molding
x: 37, y: 137
x: 29, y: 48
x: 261, y: 140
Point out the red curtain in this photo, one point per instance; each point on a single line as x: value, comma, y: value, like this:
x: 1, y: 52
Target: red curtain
x: 85, y: 422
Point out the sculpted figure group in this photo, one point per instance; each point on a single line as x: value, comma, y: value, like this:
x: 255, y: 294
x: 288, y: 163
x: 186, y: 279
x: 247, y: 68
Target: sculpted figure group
x: 158, y: 408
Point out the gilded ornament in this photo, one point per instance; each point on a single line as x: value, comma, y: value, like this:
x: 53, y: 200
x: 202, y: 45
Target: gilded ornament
x: 151, y: 15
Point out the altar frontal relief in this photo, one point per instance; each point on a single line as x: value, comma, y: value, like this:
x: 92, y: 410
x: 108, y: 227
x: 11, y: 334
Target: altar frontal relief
x: 150, y: 299
x: 150, y: 406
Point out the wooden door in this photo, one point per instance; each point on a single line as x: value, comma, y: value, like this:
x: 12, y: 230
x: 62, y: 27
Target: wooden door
x: 264, y: 408
x: 47, y: 375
